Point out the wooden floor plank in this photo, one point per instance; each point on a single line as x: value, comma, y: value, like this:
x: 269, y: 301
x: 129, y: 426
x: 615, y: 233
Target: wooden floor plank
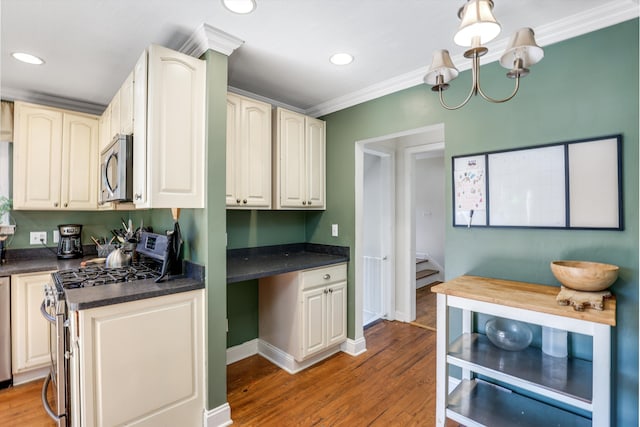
x: 426, y: 307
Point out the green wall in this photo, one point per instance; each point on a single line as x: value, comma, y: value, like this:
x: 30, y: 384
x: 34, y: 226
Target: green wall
x: 211, y: 229
x: 575, y: 92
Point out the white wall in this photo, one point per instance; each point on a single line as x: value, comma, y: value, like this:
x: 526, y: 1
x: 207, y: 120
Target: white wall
x: 372, y: 206
x: 430, y: 208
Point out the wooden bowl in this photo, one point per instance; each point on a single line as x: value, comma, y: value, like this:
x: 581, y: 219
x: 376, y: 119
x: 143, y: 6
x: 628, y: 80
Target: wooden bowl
x: 585, y: 275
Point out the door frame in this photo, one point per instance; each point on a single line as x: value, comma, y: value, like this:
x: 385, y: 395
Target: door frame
x: 433, y: 136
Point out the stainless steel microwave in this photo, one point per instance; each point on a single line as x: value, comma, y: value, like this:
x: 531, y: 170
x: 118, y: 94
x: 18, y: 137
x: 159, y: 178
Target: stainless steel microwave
x: 116, y: 170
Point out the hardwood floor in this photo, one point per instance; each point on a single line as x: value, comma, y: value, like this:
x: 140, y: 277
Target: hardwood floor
x: 426, y: 307
x: 391, y: 384
x: 20, y: 406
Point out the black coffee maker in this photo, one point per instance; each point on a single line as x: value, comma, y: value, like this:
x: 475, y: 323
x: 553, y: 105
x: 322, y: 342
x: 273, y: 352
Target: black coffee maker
x: 70, y: 243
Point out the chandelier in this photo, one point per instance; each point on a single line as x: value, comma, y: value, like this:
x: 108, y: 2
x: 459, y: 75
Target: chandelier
x: 478, y: 26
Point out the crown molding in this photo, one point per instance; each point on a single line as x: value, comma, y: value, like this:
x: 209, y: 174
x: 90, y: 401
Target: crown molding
x: 11, y: 94
x: 611, y: 13
x: 206, y: 37
x: 273, y: 102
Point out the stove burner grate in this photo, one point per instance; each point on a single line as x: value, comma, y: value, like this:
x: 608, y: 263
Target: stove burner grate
x: 95, y: 275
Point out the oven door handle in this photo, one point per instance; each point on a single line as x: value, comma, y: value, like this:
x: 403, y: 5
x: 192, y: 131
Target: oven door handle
x: 45, y: 401
x: 45, y: 313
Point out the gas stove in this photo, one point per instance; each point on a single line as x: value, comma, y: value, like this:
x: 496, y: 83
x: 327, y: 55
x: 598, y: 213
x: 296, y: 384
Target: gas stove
x: 95, y: 275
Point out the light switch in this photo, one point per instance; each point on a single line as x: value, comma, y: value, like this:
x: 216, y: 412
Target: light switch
x: 334, y: 230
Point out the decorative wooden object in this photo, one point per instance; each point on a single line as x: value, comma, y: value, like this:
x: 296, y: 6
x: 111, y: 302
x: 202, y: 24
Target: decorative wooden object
x: 580, y: 300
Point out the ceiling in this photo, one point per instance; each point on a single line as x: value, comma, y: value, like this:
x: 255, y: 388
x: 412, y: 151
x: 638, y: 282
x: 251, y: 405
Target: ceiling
x: 90, y: 46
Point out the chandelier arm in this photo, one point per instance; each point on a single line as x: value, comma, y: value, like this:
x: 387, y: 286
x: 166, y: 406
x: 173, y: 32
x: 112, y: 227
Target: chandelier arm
x: 472, y: 92
x: 499, y: 101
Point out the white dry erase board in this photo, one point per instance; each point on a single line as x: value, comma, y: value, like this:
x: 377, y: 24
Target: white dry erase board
x: 575, y: 184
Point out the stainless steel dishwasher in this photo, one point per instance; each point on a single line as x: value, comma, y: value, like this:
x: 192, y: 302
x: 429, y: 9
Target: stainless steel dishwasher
x: 5, y: 331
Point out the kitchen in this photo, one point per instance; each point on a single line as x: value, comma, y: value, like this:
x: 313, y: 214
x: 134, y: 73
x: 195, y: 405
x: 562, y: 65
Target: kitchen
x: 386, y: 115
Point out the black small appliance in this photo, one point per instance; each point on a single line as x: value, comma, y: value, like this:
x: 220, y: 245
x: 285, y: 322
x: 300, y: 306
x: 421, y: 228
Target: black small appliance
x: 70, y: 242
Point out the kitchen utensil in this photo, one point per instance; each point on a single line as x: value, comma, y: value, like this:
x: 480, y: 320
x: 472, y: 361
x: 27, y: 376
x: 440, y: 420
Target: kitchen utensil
x: 93, y: 261
x: 585, y: 275
x: 118, y: 258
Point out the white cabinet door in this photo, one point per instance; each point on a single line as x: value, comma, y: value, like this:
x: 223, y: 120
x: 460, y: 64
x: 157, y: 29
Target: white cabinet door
x: 29, y: 329
x: 142, y: 362
x: 175, y: 129
x: 337, y: 314
x: 104, y: 123
x: 248, y: 153
x: 290, y: 161
x: 315, y: 147
x: 314, y: 321
x: 140, y: 190
x: 79, y: 190
x: 299, y: 161
x: 114, y: 123
x: 37, y: 157
x: 126, y: 105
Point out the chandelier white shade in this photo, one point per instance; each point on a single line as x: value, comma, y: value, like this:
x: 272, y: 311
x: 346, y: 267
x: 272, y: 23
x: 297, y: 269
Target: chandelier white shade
x: 477, y: 24
x: 477, y: 27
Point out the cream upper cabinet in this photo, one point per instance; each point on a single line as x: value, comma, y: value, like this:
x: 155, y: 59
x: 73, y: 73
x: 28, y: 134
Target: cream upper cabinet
x: 114, y: 122
x: 174, y: 135
x: 299, y: 176
x: 104, y: 124
x: 55, y: 159
x: 29, y: 329
x: 248, y: 153
x: 126, y: 106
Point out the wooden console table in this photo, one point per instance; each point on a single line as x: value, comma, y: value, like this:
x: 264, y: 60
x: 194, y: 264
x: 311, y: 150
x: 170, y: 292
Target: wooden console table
x: 528, y: 387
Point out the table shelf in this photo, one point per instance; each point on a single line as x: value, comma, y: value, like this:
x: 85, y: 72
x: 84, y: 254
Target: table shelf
x: 569, y: 383
x: 478, y: 403
x: 564, y: 379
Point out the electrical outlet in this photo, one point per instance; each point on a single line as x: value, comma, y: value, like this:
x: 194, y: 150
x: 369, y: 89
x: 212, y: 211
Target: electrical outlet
x: 56, y: 236
x: 334, y: 230
x: 38, y: 237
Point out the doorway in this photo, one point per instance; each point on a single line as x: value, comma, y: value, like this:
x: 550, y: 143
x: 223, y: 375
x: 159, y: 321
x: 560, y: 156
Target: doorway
x: 398, y: 271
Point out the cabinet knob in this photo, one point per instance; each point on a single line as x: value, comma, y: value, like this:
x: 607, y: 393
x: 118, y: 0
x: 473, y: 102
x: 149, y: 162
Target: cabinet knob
x: 238, y: 201
x: 137, y: 196
x: 304, y: 203
x: 66, y: 204
x: 330, y: 290
x: 326, y: 291
x: 55, y: 204
x: 244, y: 201
x: 326, y: 276
x: 309, y: 203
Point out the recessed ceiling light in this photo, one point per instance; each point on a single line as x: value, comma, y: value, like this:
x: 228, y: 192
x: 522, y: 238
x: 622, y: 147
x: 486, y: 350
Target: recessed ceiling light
x: 240, y: 6
x: 341, y: 59
x: 28, y: 58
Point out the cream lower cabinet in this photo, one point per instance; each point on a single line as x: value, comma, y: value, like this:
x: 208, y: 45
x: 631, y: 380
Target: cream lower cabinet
x: 55, y: 159
x: 248, y: 153
x: 139, y: 363
x: 168, y: 130
x: 303, y: 315
x: 29, y: 329
x: 299, y: 161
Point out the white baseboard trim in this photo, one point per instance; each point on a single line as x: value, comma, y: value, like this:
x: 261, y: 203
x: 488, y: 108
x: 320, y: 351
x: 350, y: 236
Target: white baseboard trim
x: 287, y: 362
x: 354, y: 347
x: 218, y: 417
x: 35, y: 374
x: 242, y: 351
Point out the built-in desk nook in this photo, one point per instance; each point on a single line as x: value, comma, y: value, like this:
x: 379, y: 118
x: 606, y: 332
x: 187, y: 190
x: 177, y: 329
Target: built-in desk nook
x: 534, y: 388
x: 302, y: 300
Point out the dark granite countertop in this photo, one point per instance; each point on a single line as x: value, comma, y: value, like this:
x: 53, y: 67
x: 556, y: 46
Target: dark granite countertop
x: 37, y: 260
x: 116, y: 293
x: 264, y: 261
x: 21, y: 261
